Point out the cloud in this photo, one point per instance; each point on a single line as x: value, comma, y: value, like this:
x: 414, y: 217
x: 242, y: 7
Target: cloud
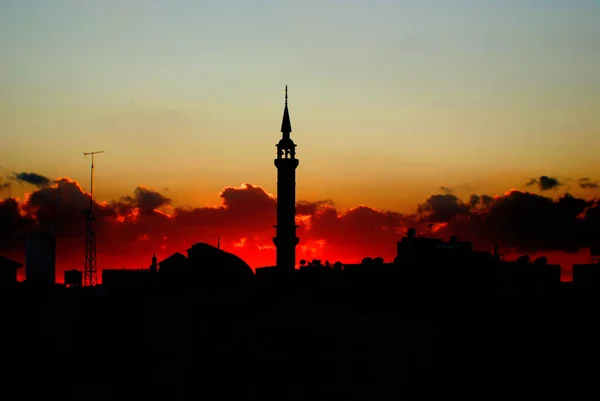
x: 146, y: 200
x: 135, y: 226
x: 310, y: 208
x: 587, y: 183
x: 486, y: 200
x: 14, y: 226
x: 530, y: 223
x: 353, y: 234
x: 32, y: 178
x: 544, y: 183
x: 474, y: 200
x: 443, y: 208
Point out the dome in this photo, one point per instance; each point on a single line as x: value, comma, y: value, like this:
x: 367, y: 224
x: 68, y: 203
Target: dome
x: 216, y: 262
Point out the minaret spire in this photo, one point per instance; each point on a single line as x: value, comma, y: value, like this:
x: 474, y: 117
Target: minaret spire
x: 286, y: 125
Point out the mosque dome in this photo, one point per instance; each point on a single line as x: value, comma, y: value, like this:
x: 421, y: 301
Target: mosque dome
x: 218, y: 263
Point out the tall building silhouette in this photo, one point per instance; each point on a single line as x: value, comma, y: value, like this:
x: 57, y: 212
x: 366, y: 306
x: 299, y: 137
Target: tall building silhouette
x: 285, y: 241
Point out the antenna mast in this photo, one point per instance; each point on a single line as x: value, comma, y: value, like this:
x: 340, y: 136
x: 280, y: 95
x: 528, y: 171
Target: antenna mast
x: 89, y: 271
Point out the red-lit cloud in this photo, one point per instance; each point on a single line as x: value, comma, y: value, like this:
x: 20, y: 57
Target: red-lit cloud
x: 132, y: 228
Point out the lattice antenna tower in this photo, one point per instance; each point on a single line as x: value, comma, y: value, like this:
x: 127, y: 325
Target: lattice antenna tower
x: 90, y: 273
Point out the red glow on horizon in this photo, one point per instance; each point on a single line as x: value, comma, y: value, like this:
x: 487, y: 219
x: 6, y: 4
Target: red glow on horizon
x: 131, y: 229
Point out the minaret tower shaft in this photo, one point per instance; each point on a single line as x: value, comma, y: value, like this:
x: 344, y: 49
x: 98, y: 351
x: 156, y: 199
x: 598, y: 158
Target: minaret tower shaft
x: 285, y: 240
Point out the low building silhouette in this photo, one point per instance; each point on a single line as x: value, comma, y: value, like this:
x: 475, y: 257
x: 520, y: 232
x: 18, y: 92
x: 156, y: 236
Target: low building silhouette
x: 586, y: 276
x: 177, y: 263
x: 128, y: 282
x: 205, y: 268
x: 8, y: 273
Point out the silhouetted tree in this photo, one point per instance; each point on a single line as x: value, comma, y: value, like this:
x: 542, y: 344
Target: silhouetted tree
x: 302, y: 262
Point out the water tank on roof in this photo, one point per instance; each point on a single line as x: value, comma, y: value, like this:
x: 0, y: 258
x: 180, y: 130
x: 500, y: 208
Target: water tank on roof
x: 73, y: 278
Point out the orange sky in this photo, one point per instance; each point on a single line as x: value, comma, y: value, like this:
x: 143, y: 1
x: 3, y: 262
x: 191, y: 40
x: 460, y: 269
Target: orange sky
x: 388, y: 100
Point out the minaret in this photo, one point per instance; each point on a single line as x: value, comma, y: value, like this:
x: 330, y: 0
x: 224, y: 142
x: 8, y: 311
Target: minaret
x: 285, y: 241
x: 154, y: 265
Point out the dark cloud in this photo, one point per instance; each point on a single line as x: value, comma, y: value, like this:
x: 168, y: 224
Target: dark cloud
x: 587, y: 183
x: 443, y: 208
x: 62, y: 206
x: 39, y: 181
x: 486, y: 200
x: 474, y: 200
x: 531, y: 182
x: 247, y: 206
x: 446, y: 190
x: 13, y: 225
x: 544, y: 183
x: 547, y: 183
x: 531, y: 223
x: 145, y: 199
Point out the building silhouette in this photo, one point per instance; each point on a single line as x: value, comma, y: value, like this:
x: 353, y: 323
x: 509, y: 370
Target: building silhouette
x: 73, y: 278
x: 8, y: 272
x: 587, y: 275
x: 40, y: 257
x: 286, y: 163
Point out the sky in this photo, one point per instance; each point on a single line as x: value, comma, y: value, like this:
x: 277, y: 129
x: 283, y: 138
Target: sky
x: 389, y: 100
